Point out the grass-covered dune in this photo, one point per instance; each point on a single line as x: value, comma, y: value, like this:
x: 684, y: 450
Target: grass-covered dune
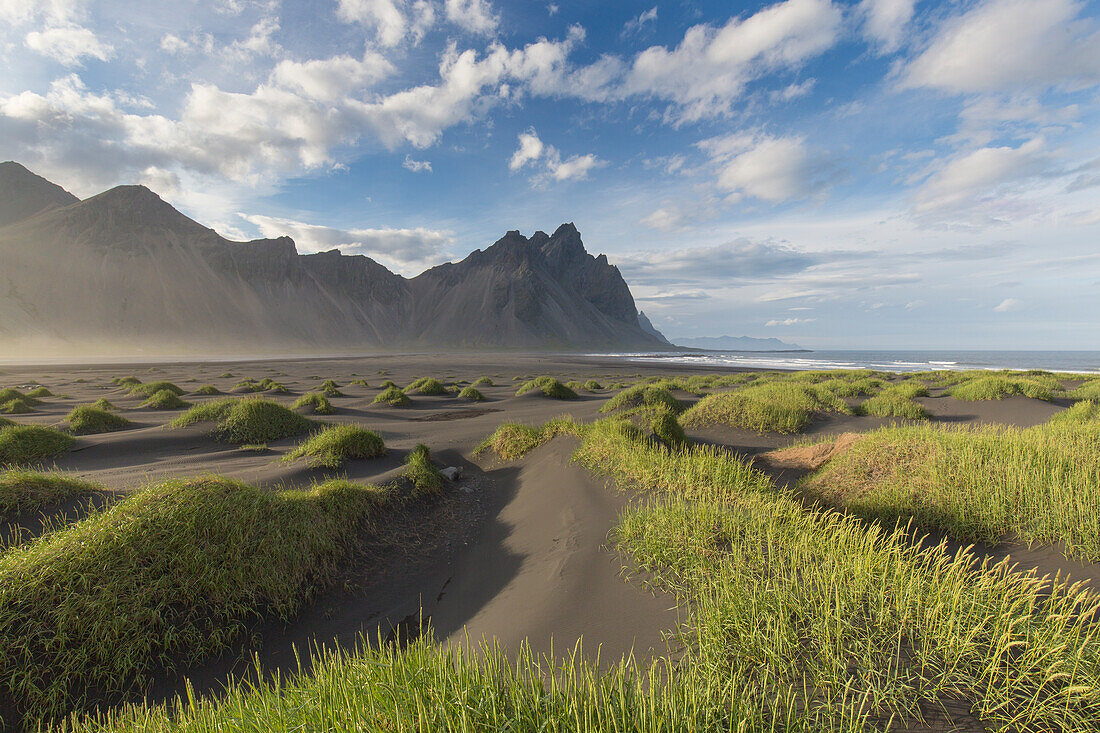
x: 644, y: 396
x: 333, y: 446
x: 29, y: 444
x: 247, y: 420
x: 979, y: 484
x: 176, y: 571
x: 316, y: 402
x: 88, y: 419
x: 549, y: 387
x: 996, y: 387
x: 427, y: 386
x: 26, y: 491
x: 897, y: 400
x: 799, y: 621
x: 781, y: 407
x: 392, y: 396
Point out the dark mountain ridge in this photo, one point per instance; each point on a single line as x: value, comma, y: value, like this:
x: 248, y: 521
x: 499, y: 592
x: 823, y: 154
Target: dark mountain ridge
x: 127, y: 270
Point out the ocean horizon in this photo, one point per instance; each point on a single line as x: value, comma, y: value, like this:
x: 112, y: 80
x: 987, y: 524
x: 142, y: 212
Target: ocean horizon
x: 1083, y: 362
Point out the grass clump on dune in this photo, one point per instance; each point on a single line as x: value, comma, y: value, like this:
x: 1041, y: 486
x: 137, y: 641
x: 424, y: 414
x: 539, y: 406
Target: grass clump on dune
x: 667, y: 428
x: 644, y: 396
x: 104, y: 404
x: 897, y: 401
x: 472, y: 394
x: 360, y: 383
x: 592, y: 385
x: 549, y: 386
x: 150, y: 389
x: 979, y: 484
x: 207, y: 389
x: 427, y: 386
x: 88, y: 419
x: 335, y: 445
x: 1086, y: 412
x: 8, y: 394
x: 40, y: 392
x: 420, y: 470
x: 26, y: 444
x: 165, y: 399
x: 26, y: 491
x: 130, y: 381
x: 786, y: 407
x: 248, y: 420
x: 388, y: 384
x: 174, y: 572
x: 514, y: 440
x: 482, y: 382
x: 316, y: 402
x: 330, y: 388
x: 18, y: 406
x: 860, y: 387
x: 998, y: 387
x: 1089, y: 390
x: 392, y: 396
x: 267, y: 384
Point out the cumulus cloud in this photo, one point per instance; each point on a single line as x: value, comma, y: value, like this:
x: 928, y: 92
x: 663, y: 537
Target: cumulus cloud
x: 475, y: 16
x: 772, y: 169
x: 885, y: 21
x: 1008, y: 304
x: 532, y: 150
x: 416, y: 166
x: 1003, y: 45
x: 406, y: 250
x: 69, y: 44
x: 711, y: 66
x: 332, y: 78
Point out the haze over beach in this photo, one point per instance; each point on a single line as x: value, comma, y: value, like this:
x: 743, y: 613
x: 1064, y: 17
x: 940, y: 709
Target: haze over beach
x: 487, y: 365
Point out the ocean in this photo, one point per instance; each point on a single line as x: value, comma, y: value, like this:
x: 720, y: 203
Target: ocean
x: 1087, y: 362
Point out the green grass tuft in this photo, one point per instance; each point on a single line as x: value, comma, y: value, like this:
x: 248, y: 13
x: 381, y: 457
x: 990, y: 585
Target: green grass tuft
x: 330, y: 388
x: 392, y: 396
x: 246, y: 420
x: 781, y: 407
x: 550, y: 387
x: 667, y: 428
x: 335, y: 445
x: 165, y: 399
x: 88, y: 419
x: 472, y: 394
x: 998, y: 387
x: 172, y: 574
x: 316, y: 402
x: 482, y: 382
x: 644, y: 396
x: 420, y: 470
x: 897, y: 401
x: 40, y: 392
x: 130, y: 381
x: 427, y: 386
x: 103, y: 404
x: 514, y: 440
x: 207, y: 389
x: 592, y: 385
x: 26, y: 491
x: 27, y: 444
x: 151, y: 388
x: 18, y: 406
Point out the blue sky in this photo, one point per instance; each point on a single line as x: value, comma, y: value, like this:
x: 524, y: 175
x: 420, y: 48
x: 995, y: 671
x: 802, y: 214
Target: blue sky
x: 880, y: 174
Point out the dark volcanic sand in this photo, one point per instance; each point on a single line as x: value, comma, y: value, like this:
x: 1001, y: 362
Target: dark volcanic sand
x: 511, y: 552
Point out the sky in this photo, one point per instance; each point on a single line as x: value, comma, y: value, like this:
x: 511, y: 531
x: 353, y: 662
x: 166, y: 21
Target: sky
x: 874, y: 174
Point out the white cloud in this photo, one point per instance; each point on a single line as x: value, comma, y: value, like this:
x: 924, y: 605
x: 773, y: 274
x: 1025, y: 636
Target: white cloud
x: 772, y: 169
x: 1003, y: 45
x: 635, y: 25
x: 885, y: 21
x: 711, y: 66
x: 405, y: 250
x: 386, y: 17
x: 788, y: 322
x: 792, y: 91
x: 332, y: 78
x: 1008, y: 304
x: 475, y: 16
x: 69, y: 44
x: 665, y: 219
x: 173, y: 44
x: 416, y: 166
x: 259, y: 42
x: 967, y: 178
x: 531, y: 150
x: 552, y: 9
x: 735, y: 261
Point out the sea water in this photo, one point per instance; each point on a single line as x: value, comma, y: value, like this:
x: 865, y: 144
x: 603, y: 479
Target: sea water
x: 890, y: 361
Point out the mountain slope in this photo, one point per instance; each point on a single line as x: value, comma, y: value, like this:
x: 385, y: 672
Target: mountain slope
x: 124, y: 270
x: 24, y: 194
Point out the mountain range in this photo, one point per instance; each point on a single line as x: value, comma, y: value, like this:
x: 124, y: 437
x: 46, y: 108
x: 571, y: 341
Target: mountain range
x: 125, y: 272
